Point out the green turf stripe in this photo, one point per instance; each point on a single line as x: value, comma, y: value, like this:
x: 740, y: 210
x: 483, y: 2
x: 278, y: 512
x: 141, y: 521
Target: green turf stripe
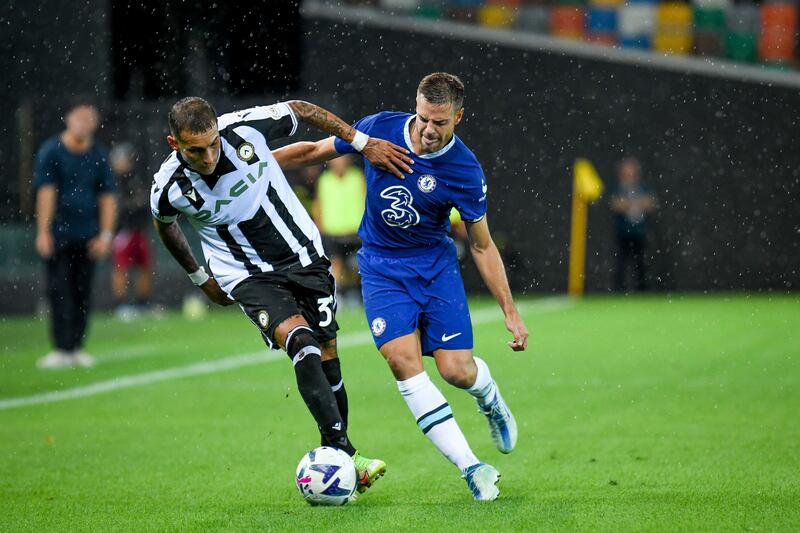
x: 480, y: 316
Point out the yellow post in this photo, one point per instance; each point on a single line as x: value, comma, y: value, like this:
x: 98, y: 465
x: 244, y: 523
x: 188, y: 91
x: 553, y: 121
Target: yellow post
x: 577, y: 245
x: 586, y: 188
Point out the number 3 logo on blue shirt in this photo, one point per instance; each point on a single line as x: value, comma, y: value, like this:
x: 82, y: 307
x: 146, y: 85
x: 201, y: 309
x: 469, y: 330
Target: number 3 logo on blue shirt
x: 400, y: 214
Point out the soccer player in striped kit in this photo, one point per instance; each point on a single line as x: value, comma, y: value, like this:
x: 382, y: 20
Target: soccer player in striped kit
x: 261, y: 247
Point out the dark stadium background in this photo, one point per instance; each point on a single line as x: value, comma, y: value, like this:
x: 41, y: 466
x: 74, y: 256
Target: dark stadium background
x: 720, y: 153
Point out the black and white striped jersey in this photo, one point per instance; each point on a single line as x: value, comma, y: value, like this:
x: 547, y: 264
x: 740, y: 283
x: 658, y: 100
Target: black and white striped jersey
x: 248, y: 218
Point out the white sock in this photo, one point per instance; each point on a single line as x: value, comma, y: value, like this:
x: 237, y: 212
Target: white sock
x: 435, y: 419
x: 484, y: 388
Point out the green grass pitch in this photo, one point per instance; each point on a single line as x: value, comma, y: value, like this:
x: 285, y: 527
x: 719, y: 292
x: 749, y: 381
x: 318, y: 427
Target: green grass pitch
x: 657, y: 413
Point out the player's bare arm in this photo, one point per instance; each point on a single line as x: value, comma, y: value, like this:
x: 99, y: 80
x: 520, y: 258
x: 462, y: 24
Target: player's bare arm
x: 381, y: 153
x: 304, y: 154
x: 490, y: 265
x: 175, y: 241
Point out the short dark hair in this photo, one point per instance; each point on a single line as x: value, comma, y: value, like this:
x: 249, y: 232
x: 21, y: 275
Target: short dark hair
x: 80, y: 100
x: 441, y: 88
x: 192, y: 114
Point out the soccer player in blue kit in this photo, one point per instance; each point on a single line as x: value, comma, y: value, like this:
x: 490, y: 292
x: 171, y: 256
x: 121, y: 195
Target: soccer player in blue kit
x: 414, y: 297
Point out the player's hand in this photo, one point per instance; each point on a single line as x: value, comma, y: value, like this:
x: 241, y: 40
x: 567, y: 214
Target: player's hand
x: 517, y: 328
x: 99, y: 247
x: 45, y: 245
x: 388, y: 156
x: 215, y: 293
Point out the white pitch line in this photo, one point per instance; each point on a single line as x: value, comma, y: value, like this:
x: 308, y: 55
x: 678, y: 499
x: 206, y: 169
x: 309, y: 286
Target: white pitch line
x: 122, y: 354
x: 480, y: 316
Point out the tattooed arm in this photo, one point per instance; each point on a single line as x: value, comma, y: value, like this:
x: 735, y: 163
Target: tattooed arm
x: 175, y: 241
x: 380, y: 153
x: 322, y: 119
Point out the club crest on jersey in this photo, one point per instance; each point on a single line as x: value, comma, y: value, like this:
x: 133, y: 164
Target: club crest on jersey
x: 263, y: 319
x: 246, y: 151
x: 378, y: 326
x: 426, y: 183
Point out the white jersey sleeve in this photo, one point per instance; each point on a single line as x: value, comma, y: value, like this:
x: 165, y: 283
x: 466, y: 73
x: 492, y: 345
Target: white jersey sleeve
x: 272, y: 121
x: 160, y: 204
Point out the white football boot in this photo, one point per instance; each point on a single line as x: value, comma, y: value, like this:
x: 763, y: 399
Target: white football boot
x: 502, y: 424
x: 482, y: 481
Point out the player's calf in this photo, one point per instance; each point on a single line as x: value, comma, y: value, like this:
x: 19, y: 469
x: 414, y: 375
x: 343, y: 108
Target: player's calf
x: 304, y: 350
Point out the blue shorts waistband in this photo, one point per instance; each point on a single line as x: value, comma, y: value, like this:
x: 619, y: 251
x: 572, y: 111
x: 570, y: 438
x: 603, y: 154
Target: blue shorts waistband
x: 373, y: 249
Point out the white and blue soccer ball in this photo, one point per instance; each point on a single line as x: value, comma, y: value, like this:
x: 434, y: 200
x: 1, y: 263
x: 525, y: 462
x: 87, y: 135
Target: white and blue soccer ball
x: 326, y: 476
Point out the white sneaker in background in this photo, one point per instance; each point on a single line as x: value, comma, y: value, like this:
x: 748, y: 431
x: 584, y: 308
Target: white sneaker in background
x: 126, y: 313
x: 83, y: 359
x: 56, y: 360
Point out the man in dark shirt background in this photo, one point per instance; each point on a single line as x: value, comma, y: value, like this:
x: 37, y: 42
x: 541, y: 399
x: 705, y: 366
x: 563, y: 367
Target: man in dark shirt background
x: 631, y: 202
x: 76, y: 210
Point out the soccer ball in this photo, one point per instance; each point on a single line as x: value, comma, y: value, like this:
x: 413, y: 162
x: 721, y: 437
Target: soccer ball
x: 326, y: 476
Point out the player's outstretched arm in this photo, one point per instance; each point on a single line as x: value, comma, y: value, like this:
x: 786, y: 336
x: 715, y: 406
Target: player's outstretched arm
x: 490, y: 265
x: 175, y: 241
x: 304, y: 154
x: 381, y: 153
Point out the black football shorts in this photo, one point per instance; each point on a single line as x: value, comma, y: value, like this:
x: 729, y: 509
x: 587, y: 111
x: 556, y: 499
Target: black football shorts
x: 269, y: 298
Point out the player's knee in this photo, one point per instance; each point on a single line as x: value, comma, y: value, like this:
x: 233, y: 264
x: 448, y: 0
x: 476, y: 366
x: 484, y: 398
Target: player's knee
x: 459, y: 374
x: 402, y: 364
x: 329, y: 351
x: 300, y: 343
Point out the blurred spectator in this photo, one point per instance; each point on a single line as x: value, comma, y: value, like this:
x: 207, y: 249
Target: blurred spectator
x: 631, y: 203
x: 76, y: 210
x: 131, y: 246
x: 304, y: 184
x: 338, y: 208
x: 458, y: 231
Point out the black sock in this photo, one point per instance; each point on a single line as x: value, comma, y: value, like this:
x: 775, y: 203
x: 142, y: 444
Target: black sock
x: 305, y: 352
x: 333, y: 372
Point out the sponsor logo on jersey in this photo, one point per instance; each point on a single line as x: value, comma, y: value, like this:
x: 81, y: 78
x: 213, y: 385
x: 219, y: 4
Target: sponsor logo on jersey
x: 378, y: 326
x: 263, y: 319
x: 236, y: 190
x: 246, y: 151
x: 191, y: 194
x: 401, y: 212
x: 426, y: 183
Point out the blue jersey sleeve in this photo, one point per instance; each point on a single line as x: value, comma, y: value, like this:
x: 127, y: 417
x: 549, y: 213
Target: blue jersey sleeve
x: 46, y: 166
x: 364, y: 125
x: 471, y: 200
x: 106, y: 182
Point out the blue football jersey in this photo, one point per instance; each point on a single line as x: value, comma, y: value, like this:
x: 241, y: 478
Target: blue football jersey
x: 405, y: 217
